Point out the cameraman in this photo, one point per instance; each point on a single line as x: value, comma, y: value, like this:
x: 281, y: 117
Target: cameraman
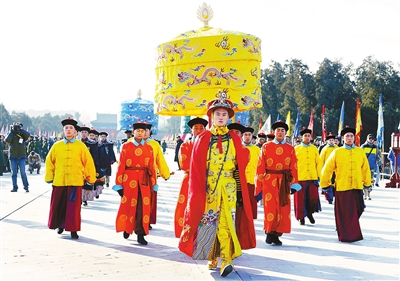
x: 16, y: 138
x: 34, y: 162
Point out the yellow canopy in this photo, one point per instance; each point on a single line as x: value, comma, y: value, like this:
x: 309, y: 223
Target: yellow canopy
x: 195, y: 65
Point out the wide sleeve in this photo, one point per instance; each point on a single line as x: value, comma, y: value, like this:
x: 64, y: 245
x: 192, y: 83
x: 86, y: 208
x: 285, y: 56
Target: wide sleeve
x: 50, y: 165
x: 88, y: 164
x: 184, y: 156
x: 293, y: 167
x: 152, y: 168
x: 261, y: 167
x: 327, y: 170
x: 121, y: 164
x: 365, y: 170
x: 162, y: 165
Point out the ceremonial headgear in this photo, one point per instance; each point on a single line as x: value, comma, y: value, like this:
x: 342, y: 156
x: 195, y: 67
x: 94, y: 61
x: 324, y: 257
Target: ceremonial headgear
x: 93, y: 131
x: 248, y: 129
x: 262, y: 135
x: 271, y: 136
x: 103, y: 134
x: 330, y: 136
x: 236, y: 126
x: 69, y: 121
x: 84, y: 128
x: 280, y: 124
x: 348, y: 130
x: 197, y: 120
x: 220, y: 102
x: 139, y: 125
x: 305, y: 131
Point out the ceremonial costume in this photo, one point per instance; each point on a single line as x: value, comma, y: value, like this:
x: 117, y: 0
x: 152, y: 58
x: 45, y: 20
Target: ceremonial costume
x: 306, y: 200
x: 352, y: 174
x: 276, y: 174
x: 373, y: 155
x: 69, y: 166
x: 325, y: 153
x: 218, y: 220
x: 137, y: 177
x: 184, y: 155
x: 106, y: 156
x: 251, y: 172
x: 162, y: 170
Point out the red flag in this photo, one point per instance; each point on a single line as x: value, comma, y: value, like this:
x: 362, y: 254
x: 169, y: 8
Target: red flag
x: 323, y: 123
x: 311, y: 124
x: 357, y: 139
x: 260, y: 125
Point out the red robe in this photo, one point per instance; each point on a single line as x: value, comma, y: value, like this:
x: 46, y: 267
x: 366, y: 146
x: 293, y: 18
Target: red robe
x: 185, y: 153
x: 131, y: 179
x: 197, y: 195
x: 275, y: 157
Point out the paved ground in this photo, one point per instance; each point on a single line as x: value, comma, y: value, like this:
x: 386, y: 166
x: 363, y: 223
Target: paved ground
x: 30, y: 251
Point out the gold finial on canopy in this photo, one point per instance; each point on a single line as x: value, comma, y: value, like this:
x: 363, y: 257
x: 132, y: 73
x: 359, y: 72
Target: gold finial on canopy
x: 205, y: 13
x: 139, y: 94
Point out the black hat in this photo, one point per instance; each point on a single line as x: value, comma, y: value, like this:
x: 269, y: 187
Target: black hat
x: 84, y: 128
x: 93, y: 131
x: 348, y: 130
x: 69, y: 121
x: 148, y: 126
x: 305, y: 131
x: 139, y: 125
x: 254, y: 137
x: 128, y: 132
x: 330, y: 136
x: 271, y: 136
x: 281, y: 124
x: 236, y: 126
x: 262, y: 135
x: 197, y: 120
x: 103, y: 133
x: 370, y: 136
x: 248, y: 129
x: 78, y: 128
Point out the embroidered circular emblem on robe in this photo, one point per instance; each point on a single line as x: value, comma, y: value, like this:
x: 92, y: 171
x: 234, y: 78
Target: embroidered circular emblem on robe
x: 146, y: 200
x: 133, y: 184
x: 180, y: 221
x: 270, y: 161
x: 146, y: 161
x: 274, y: 182
x: 287, y: 161
x: 128, y: 162
x: 146, y: 219
x: 279, y: 151
x: 279, y: 166
x: 181, y: 198
x: 267, y: 176
x: 123, y: 217
x: 268, y: 196
x: 270, y: 217
x: 123, y: 200
x: 138, y: 152
x: 124, y: 178
x: 133, y: 202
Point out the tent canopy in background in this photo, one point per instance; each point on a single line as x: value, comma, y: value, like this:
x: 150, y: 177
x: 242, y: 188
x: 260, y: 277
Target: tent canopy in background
x: 139, y: 109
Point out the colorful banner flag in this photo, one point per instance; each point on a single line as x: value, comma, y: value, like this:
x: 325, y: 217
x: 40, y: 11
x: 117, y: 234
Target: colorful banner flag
x: 266, y: 128
x: 278, y: 118
x: 296, y: 132
x: 380, y: 130
x: 323, y: 121
x: 341, y: 120
x: 288, y: 123
x: 357, y: 140
x: 2, y: 130
x: 260, y: 124
x: 311, y: 123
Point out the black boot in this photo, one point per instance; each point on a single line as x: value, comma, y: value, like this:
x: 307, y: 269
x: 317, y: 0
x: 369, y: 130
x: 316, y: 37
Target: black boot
x: 126, y: 235
x: 141, y: 240
x: 60, y: 230
x: 276, y: 241
x: 74, y: 235
x: 269, y: 239
x: 302, y: 221
x: 311, y: 218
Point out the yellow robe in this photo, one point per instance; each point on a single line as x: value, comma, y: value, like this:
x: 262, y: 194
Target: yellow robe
x: 351, y: 167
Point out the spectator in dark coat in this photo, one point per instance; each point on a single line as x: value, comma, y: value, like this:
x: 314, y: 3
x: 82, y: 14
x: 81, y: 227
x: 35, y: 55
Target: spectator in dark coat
x: 179, y: 142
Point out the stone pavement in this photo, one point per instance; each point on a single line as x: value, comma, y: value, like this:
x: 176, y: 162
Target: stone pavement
x: 30, y: 251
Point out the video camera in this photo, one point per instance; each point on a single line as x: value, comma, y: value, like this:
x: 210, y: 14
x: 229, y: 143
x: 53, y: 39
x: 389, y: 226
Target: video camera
x: 16, y: 127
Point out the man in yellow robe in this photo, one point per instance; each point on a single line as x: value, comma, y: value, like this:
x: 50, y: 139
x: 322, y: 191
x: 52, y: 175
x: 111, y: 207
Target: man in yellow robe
x: 325, y: 152
x: 306, y: 201
x: 352, y: 174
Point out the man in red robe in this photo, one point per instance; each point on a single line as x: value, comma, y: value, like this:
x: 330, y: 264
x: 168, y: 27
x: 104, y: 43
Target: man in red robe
x: 197, y: 125
x: 276, y: 179
x: 135, y: 178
